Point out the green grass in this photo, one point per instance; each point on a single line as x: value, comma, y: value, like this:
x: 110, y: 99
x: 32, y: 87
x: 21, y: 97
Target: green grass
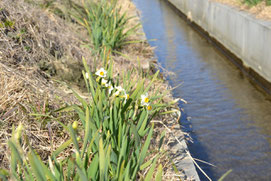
x: 252, y: 2
x: 255, y: 2
x: 106, y: 26
x: 7, y: 24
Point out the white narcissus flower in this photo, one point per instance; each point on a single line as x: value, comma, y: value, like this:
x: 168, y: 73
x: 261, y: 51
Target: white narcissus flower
x: 149, y: 107
x: 126, y: 96
x: 110, y: 88
x: 101, y: 72
x: 104, y: 83
x: 117, y: 93
x: 119, y: 90
x: 145, y: 99
x: 107, y: 84
x: 86, y: 75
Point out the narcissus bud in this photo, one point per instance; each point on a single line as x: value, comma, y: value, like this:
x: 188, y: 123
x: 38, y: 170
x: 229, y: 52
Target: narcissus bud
x: 18, y: 131
x: 77, y: 155
x: 78, y: 138
x: 75, y: 125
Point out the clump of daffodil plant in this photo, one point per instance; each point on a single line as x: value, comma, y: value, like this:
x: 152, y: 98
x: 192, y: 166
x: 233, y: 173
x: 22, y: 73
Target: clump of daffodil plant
x: 108, y: 144
x: 106, y: 24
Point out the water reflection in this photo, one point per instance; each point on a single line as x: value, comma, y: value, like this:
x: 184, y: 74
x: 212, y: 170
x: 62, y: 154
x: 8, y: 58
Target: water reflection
x: 231, y: 119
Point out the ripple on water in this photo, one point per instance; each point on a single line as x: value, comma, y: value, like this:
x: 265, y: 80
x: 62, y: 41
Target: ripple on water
x: 230, y: 118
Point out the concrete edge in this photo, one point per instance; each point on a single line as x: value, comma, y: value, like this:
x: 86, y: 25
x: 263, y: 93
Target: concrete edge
x: 246, y: 63
x: 182, y: 158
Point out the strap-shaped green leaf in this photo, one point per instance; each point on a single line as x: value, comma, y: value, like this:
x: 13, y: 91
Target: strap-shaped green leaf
x: 146, y: 146
x: 151, y: 170
x: 81, y: 173
x: 62, y: 147
x: 87, y: 132
x: 40, y: 169
x: 90, y: 78
x: 93, y: 168
x: 102, y: 160
x: 159, y: 173
x: 142, y: 129
x: 74, y: 138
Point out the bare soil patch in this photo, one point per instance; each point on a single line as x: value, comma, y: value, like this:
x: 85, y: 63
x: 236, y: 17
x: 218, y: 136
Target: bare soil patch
x: 260, y: 11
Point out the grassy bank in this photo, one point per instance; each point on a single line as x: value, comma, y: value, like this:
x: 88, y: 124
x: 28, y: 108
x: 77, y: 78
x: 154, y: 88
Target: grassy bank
x: 258, y: 8
x: 255, y: 2
x: 104, y: 117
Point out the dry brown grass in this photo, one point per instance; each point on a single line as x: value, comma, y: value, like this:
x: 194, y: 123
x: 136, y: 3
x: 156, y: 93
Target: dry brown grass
x: 31, y: 50
x: 20, y: 93
x: 41, y: 39
x: 260, y: 11
x: 25, y: 76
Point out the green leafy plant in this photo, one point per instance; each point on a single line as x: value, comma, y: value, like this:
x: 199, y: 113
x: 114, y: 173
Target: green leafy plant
x: 42, y: 113
x: 112, y: 143
x: 106, y: 26
x: 252, y: 2
x: 7, y: 24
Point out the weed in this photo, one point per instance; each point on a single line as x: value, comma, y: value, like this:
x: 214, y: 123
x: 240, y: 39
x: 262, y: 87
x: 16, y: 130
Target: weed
x: 42, y: 113
x: 9, y: 24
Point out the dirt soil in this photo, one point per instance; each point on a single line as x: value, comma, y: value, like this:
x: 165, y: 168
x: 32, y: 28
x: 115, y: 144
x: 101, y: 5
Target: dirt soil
x: 260, y: 11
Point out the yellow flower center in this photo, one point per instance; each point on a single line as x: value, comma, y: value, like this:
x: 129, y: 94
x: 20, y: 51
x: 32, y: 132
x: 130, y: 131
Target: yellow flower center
x: 149, y: 108
x: 146, y: 100
x: 128, y: 96
x: 101, y: 73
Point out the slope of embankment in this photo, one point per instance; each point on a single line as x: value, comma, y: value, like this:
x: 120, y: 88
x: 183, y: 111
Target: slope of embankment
x: 41, y: 42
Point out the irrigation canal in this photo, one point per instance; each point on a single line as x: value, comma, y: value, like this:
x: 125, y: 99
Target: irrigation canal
x: 227, y: 117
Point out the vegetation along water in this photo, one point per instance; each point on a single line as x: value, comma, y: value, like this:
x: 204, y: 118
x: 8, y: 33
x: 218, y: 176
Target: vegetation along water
x: 80, y: 98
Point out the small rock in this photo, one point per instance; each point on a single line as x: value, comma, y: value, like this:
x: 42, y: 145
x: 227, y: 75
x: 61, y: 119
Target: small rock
x: 145, y: 65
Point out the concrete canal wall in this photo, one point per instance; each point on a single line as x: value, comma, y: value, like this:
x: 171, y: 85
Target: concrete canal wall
x: 248, y: 38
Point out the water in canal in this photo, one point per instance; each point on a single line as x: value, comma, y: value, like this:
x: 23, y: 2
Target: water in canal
x: 230, y: 120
